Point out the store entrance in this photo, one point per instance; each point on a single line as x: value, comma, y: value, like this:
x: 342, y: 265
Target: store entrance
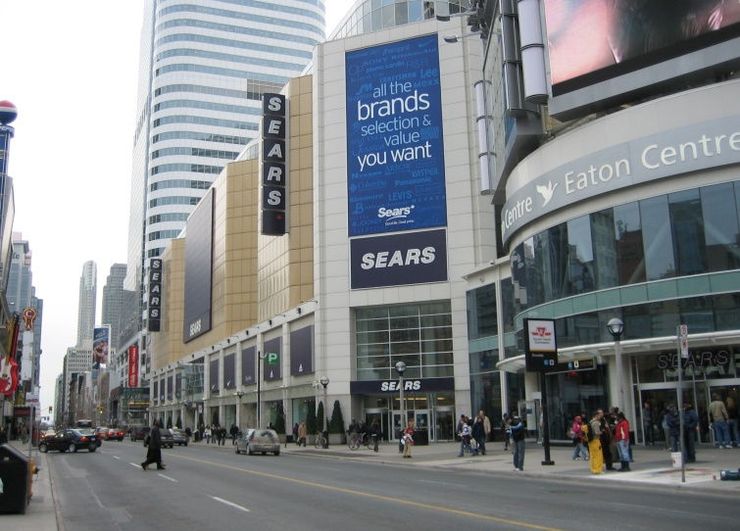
x: 658, y: 397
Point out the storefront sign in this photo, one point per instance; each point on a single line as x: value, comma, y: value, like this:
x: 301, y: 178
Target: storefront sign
x: 688, y: 149
x: 410, y: 385
x: 540, y: 345
x: 399, y: 259
x: 699, y: 361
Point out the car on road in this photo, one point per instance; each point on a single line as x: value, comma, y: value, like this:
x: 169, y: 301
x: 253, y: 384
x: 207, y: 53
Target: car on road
x: 168, y: 441
x: 139, y: 433
x: 102, y: 433
x: 242, y: 441
x: 178, y: 437
x: 260, y: 441
x: 70, y: 440
x: 115, y: 434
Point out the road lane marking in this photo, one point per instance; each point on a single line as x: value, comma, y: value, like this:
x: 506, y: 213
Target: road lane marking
x: 135, y: 465
x: 168, y: 478
x: 389, y: 499
x: 230, y: 504
x: 116, y: 457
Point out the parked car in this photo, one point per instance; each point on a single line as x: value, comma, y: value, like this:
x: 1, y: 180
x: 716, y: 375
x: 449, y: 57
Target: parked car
x: 102, y: 433
x: 178, y: 436
x: 262, y: 441
x: 242, y: 441
x: 139, y: 433
x: 115, y: 434
x: 168, y: 441
x: 70, y: 440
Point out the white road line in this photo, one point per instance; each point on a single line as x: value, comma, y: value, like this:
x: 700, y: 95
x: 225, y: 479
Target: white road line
x: 173, y: 480
x: 230, y: 504
x: 116, y: 457
x: 135, y: 465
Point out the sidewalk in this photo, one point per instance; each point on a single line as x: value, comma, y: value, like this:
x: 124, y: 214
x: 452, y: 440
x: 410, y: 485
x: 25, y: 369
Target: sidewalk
x: 41, y: 512
x: 651, y: 467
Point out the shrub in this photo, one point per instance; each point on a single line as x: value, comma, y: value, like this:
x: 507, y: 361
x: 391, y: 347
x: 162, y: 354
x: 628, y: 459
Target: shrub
x: 337, y: 421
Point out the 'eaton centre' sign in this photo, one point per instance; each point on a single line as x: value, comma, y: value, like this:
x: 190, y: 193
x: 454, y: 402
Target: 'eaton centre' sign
x: 395, y: 151
x: 697, y: 147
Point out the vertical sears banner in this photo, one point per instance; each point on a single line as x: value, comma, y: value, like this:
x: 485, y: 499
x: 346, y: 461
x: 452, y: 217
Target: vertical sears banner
x: 155, y: 294
x: 133, y: 366
x: 101, y: 342
x: 395, y: 151
x: 274, y: 156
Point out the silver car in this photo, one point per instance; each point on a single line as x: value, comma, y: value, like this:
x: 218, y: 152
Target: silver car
x: 259, y: 441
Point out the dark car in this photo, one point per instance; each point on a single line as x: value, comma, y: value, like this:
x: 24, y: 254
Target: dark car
x: 168, y: 441
x: 69, y: 440
x: 178, y: 437
x: 139, y: 433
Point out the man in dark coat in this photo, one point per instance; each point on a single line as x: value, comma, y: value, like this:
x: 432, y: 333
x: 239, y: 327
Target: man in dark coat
x: 154, y: 449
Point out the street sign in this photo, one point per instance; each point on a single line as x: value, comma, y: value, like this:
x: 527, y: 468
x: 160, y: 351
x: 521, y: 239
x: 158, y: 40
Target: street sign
x: 683, y: 340
x: 272, y: 358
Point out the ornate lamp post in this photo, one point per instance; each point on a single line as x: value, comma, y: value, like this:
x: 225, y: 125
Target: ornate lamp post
x: 616, y: 328
x: 324, y: 381
x: 400, y: 369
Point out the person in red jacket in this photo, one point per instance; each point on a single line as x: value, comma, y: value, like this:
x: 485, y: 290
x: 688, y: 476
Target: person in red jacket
x: 623, y: 441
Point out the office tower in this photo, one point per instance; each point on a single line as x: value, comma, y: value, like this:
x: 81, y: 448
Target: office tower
x: 18, y: 293
x: 204, y: 68
x: 113, y: 294
x: 86, y: 309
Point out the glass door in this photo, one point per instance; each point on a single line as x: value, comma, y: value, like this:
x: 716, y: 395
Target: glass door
x: 381, y: 417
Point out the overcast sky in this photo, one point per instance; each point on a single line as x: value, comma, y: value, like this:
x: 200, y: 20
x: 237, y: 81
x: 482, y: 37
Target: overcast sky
x: 71, y: 69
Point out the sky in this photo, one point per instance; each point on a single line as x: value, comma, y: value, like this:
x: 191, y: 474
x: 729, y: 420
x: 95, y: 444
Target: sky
x: 71, y: 69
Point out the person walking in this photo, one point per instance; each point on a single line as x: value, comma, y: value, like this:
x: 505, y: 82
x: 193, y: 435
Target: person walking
x: 718, y: 415
x: 154, y: 448
x: 607, y: 439
x: 302, y: 434
x: 594, y: 442
x: 517, y: 433
x: 375, y: 434
x: 487, y: 428
x: 479, y: 434
x: 690, y: 425
x: 622, y: 436
x: 465, y: 435
x: 579, y: 438
x: 234, y: 432
x: 408, y: 439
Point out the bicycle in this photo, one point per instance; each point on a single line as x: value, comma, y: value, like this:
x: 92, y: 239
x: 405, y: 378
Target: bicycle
x: 320, y: 441
x: 355, y: 440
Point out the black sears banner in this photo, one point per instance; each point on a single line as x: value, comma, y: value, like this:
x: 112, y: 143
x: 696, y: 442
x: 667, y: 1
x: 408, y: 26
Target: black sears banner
x: 213, y: 376
x: 249, y: 374
x: 399, y: 259
x: 301, y: 351
x: 229, y: 371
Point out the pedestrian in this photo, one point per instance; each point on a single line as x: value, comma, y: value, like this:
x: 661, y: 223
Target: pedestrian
x: 594, y: 442
x: 647, y: 424
x: 154, y: 448
x: 505, y: 424
x: 408, y: 439
x: 234, y: 432
x: 208, y: 433
x: 578, y: 435
x: 479, y: 434
x: 302, y: 433
x: 622, y: 436
x: 718, y: 415
x: 690, y: 426
x: 607, y: 437
x: 375, y: 434
x: 517, y: 433
x: 486, y: 425
x: 465, y: 435
x: 674, y: 428
x: 295, y: 434
x: 732, y: 421
x: 222, y: 436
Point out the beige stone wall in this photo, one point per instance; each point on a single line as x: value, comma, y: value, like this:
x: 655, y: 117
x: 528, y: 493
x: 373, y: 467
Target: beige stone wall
x: 255, y: 277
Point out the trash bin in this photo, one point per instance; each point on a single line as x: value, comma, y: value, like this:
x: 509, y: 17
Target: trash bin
x: 15, y: 480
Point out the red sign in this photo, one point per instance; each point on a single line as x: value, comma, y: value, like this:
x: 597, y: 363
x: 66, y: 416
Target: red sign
x: 133, y: 366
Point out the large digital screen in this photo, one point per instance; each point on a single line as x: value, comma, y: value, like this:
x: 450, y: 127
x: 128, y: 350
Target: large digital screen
x: 395, y: 151
x: 593, y: 40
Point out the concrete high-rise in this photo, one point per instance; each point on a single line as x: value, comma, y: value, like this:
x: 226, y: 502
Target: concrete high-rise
x: 113, y: 299
x: 86, y: 308
x: 204, y: 68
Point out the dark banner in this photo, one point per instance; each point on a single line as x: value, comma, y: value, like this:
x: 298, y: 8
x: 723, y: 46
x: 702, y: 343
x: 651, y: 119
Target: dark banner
x: 101, y: 342
x: 407, y: 258
x: 154, y: 300
x: 249, y: 373
x: 271, y: 362
x: 199, y: 269
x: 213, y: 376
x: 274, y: 156
x: 230, y: 371
x: 301, y: 351
x: 410, y: 385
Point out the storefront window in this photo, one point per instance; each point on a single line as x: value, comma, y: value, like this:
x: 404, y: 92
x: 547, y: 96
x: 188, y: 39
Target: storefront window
x: 574, y: 393
x: 481, y: 303
x: 687, y: 225
x: 721, y: 229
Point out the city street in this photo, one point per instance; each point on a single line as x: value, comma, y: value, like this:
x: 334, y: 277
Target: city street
x: 207, y: 487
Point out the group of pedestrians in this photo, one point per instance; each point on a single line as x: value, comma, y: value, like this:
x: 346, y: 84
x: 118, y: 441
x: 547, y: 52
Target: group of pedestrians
x: 214, y: 433
x: 473, y: 434
x: 608, y: 438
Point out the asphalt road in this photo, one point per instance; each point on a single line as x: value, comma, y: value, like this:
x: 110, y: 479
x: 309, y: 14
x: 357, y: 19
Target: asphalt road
x: 212, y: 488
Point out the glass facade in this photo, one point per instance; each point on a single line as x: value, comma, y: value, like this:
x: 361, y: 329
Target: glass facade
x: 481, y: 303
x: 674, y: 235
x: 418, y: 334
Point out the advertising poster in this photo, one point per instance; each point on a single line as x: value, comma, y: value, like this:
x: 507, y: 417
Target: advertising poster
x: 101, y: 342
x: 133, y: 366
x: 301, y: 351
x: 395, y: 151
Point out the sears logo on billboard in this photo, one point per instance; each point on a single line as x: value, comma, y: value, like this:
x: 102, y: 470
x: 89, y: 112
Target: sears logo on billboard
x: 407, y: 258
x: 395, y: 151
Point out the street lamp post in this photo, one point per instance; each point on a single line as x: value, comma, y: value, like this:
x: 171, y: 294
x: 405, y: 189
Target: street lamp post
x: 260, y: 357
x: 325, y: 382
x: 400, y: 369
x: 616, y: 328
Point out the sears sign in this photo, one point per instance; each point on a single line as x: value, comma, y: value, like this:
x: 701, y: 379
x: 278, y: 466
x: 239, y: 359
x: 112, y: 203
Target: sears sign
x: 154, y: 303
x: 407, y: 258
x: 274, y: 191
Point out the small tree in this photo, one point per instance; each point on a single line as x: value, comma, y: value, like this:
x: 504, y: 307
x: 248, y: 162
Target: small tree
x: 337, y: 421
x: 320, y: 417
x: 311, y: 419
x: 280, y: 420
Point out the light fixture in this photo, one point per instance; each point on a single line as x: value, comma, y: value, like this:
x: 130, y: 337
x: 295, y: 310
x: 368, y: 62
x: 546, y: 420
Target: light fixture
x: 615, y: 327
x: 298, y: 310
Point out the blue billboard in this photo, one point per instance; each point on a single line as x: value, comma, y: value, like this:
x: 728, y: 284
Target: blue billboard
x: 395, y: 150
